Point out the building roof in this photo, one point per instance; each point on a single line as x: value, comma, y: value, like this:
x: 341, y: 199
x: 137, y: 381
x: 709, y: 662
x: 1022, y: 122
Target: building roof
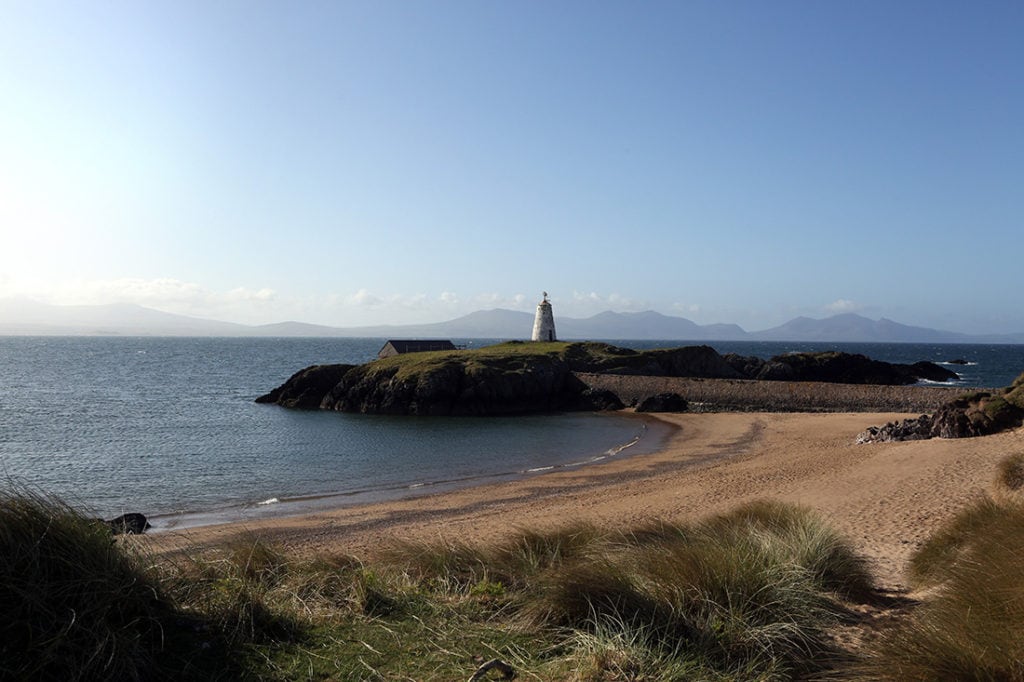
x: 419, y: 346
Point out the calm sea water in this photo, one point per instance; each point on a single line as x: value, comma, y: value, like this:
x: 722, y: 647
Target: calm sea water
x: 167, y: 426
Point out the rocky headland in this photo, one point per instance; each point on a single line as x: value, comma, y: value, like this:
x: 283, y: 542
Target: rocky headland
x: 518, y: 377
x: 979, y: 413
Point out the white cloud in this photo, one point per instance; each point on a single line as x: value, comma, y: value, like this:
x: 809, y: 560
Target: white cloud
x: 363, y: 299
x: 240, y: 304
x: 155, y: 292
x: 686, y: 308
x: 496, y: 300
x: 589, y: 303
x: 844, y: 306
x: 260, y: 295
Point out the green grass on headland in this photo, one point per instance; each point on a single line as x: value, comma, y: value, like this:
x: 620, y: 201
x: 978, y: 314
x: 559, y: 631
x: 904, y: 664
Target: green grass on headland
x: 507, y: 356
x: 754, y: 594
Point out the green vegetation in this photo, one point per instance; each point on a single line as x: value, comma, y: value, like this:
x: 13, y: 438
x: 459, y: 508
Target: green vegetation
x: 508, y: 356
x: 77, y: 606
x: 971, y: 624
x: 990, y: 413
x: 1014, y: 393
x: 749, y: 595
x: 1010, y: 475
x: 754, y: 594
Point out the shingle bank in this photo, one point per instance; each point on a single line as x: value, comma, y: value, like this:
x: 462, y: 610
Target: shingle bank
x: 724, y: 395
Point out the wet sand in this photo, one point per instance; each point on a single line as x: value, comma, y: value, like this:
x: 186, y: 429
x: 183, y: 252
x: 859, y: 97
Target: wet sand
x: 885, y: 497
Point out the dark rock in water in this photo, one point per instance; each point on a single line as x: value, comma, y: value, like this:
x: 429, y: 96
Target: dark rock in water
x: 929, y: 371
x: 837, y: 368
x: 663, y: 402
x: 129, y: 524
x: 854, y: 368
x: 306, y: 388
x: 958, y: 361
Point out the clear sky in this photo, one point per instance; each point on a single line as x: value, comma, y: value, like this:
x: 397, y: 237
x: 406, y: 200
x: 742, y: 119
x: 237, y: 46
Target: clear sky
x: 354, y: 163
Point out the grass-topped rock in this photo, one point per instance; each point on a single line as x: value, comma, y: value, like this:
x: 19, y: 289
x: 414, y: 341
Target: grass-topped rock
x: 978, y: 413
x: 507, y: 378
x: 518, y: 377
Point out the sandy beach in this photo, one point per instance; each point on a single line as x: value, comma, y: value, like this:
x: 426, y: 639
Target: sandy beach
x: 885, y: 497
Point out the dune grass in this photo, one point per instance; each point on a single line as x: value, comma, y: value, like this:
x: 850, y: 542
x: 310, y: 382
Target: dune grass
x: 744, y: 596
x: 753, y: 594
x: 970, y: 625
x: 1010, y: 476
x: 78, y: 606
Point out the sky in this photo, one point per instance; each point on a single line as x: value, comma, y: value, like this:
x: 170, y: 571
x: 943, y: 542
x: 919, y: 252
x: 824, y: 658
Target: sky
x: 358, y: 163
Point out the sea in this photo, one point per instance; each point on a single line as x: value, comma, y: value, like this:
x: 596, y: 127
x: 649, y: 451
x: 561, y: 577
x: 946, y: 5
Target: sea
x: 167, y: 426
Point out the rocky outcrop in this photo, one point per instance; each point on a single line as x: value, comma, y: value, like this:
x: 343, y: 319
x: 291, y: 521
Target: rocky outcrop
x: 306, y: 388
x: 511, y: 380
x: 688, y: 361
x: 975, y: 414
x: 663, y: 402
x: 598, y: 400
x: 839, y: 368
x: 543, y: 384
x: 518, y: 377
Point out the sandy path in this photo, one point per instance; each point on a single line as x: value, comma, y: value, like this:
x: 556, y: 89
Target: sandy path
x: 886, y: 497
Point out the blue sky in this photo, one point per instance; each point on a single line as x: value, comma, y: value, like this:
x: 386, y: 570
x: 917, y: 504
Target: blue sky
x: 358, y: 163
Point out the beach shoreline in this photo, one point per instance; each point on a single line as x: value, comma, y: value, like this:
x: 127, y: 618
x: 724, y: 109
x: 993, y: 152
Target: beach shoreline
x: 886, y: 498
x: 651, y: 438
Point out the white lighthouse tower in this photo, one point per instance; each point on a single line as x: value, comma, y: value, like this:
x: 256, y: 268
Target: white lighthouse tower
x: 544, y: 322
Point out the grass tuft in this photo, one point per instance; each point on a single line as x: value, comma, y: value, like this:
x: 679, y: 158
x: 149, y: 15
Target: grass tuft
x: 972, y: 626
x: 78, y: 605
x: 745, y: 595
x: 748, y: 594
x: 1011, y: 472
x: 939, y: 555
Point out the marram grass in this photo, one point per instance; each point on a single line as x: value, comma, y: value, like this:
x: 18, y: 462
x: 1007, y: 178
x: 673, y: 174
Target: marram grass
x: 971, y: 623
x: 748, y: 595
x: 753, y: 594
x: 77, y: 606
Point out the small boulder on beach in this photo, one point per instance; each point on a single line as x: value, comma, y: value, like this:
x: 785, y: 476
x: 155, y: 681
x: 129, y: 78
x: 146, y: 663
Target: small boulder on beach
x: 663, y: 402
x: 132, y: 523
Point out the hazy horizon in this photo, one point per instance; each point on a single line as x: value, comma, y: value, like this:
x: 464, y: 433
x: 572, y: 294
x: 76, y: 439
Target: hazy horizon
x: 356, y: 164
x: 23, y: 317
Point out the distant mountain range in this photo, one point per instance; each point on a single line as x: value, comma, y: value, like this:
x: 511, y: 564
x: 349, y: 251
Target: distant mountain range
x: 24, y: 317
